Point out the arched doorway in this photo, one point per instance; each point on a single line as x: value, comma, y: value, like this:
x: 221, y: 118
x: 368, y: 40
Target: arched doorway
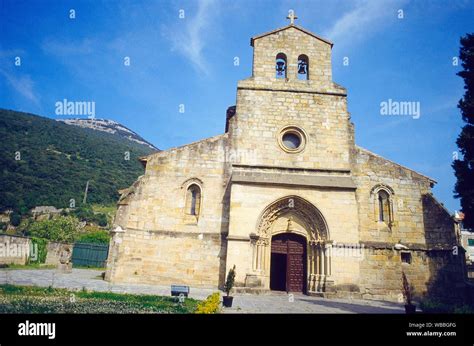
x: 288, y: 263
x: 303, y: 224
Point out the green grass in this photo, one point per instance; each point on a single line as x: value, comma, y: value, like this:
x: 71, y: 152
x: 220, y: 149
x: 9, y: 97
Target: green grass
x: 108, y: 209
x: 28, y: 299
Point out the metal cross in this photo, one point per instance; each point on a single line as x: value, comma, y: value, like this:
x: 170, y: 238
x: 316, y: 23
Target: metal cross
x: 291, y: 16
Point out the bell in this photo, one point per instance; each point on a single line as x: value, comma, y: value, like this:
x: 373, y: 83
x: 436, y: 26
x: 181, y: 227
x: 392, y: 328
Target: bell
x: 280, y: 67
x: 302, y: 67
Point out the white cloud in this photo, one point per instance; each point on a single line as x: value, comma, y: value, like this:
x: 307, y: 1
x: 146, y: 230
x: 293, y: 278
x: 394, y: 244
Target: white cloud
x: 191, y: 41
x: 24, y: 85
x: 21, y: 83
x: 364, y: 19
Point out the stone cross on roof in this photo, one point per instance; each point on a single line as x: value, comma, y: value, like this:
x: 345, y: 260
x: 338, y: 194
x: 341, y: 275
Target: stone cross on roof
x: 291, y: 16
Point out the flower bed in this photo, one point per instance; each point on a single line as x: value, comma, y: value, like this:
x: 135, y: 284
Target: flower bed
x: 22, y: 299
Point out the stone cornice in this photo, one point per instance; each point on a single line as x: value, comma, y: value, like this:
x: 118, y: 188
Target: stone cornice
x: 292, y: 169
x: 410, y: 246
x: 292, y: 179
x: 292, y: 90
x: 178, y: 234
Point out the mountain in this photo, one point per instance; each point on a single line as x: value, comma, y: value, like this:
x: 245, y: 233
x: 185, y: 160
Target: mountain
x: 109, y: 126
x: 48, y: 162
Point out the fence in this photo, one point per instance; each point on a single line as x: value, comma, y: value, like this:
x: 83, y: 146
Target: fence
x: 90, y: 254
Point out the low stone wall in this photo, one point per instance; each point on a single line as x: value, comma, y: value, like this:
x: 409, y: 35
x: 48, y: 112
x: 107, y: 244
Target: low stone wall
x: 432, y: 273
x: 17, y: 250
x: 14, y: 249
x: 58, y: 252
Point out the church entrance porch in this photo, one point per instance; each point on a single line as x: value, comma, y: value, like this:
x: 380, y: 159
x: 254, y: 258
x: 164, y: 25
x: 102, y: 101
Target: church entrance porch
x: 290, y: 249
x: 288, y: 263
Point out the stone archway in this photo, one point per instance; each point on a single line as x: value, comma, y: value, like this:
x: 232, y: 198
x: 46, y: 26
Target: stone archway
x: 293, y: 215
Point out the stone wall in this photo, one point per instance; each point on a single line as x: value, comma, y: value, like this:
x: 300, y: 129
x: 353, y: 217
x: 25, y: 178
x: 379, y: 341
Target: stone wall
x: 17, y: 250
x: 420, y: 223
x: 266, y: 104
x: 14, y: 250
x: 293, y: 42
x: 262, y: 114
x: 406, y: 188
x: 167, y: 257
x: 160, y: 243
x: 58, y: 252
x: 248, y: 201
x: 381, y: 273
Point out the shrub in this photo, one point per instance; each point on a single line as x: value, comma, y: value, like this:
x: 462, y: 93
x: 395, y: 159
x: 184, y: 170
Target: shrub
x: 85, y: 213
x: 407, y: 289
x: 15, y: 219
x: 211, y: 305
x: 98, y: 237
x: 229, y: 283
x: 62, y: 229
x: 82, y: 212
x: 42, y: 250
x: 101, y: 220
x: 434, y: 306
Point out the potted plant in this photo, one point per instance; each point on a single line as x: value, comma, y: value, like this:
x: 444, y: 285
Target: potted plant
x: 229, y: 283
x: 407, y: 291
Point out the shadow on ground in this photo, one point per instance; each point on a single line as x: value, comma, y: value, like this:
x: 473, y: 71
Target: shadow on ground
x: 355, y: 307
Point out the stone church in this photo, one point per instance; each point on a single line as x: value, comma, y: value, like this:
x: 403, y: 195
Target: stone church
x: 285, y: 195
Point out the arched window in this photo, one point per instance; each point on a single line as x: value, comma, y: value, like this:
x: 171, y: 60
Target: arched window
x: 303, y: 67
x: 384, y: 206
x: 193, y: 200
x: 382, y: 197
x: 280, y: 66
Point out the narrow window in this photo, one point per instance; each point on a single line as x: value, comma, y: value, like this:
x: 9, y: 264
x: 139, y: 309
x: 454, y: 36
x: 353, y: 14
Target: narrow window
x: 384, y: 206
x: 193, y: 200
x: 280, y: 66
x: 303, y: 67
x: 406, y: 257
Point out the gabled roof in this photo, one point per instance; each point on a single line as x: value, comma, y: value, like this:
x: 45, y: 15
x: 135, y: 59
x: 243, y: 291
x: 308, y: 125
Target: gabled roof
x: 431, y: 180
x: 287, y: 27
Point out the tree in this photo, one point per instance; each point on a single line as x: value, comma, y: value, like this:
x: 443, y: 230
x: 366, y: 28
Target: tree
x: 464, y: 168
x: 98, y: 237
x: 61, y: 229
x: 229, y: 283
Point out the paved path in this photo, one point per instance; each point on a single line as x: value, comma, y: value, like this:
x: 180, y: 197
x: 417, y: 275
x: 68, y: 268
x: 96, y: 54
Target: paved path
x: 243, y: 303
x: 299, y: 303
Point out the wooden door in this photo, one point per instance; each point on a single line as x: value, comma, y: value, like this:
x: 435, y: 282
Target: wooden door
x: 288, y: 263
x: 296, y: 277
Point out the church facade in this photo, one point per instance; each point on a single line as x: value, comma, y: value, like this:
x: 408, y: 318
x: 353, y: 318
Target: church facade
x: 285, y: 195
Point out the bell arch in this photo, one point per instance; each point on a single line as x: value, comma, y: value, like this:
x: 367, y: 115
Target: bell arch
x: 293, y: 214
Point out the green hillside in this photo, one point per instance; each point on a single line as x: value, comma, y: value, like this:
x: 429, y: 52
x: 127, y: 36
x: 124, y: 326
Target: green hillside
x: 56, y: 161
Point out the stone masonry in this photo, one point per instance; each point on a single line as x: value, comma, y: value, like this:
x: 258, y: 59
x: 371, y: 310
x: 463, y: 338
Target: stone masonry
x: 204, y: 207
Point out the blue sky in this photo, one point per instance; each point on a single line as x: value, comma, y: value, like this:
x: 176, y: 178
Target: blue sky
x: 190, y: 61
